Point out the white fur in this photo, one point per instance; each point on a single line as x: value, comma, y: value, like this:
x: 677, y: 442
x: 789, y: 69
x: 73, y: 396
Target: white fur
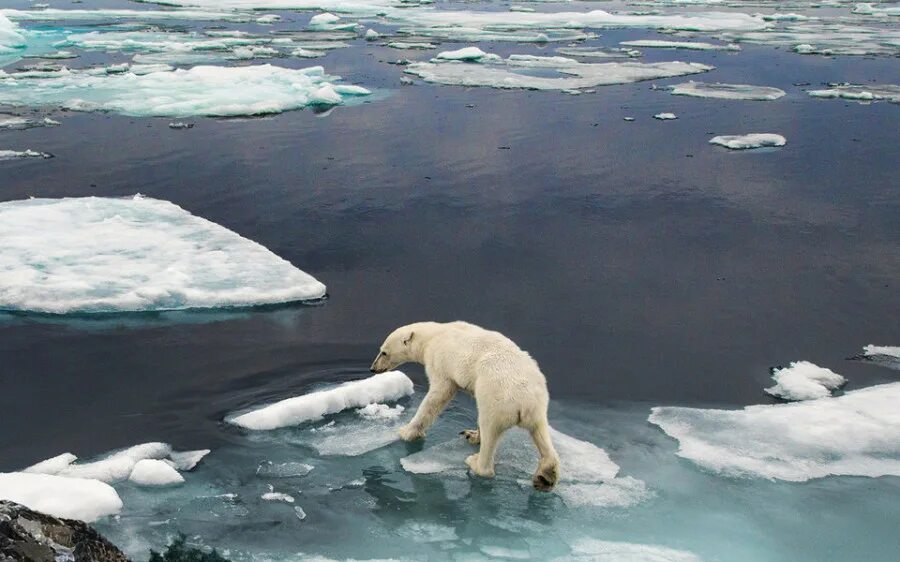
x: 507, y: 384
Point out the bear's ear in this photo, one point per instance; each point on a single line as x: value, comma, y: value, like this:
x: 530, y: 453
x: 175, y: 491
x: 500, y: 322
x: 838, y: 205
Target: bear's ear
x: 409, y: 338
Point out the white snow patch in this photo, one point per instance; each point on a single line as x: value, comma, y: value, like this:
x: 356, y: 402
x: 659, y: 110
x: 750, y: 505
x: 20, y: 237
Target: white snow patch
x: 53, y: 465
x: 857, y: 434
x: 98, y: 254
x: 389, y: 386
x: 466, y: 53
x: 803, y: 380
x: 748, y: 141
x: 200, y: 90
x: 718, y: 90
x: 72, y: 498
x: 154, y: 472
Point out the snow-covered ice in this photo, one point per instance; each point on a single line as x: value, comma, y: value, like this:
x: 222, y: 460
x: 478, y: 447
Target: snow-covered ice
x: 518, y: 71
x: 380, y: 412
x: 597, y: 550
x: 382, y: 387
x: 17, y: 122
x: 748, y: 141
x: 97, y: 254
x: 106, y: 15
x: 19, y: 154
x: 600, y: 53
x: 718, y: 90
x: 154, y: 472
x: 72, y: 498
x: 198, y: 91
x: 277, y: 497
x: 665, y: 116
x: 464, y: 54
x: 690, y: 45
x: 112, y: 468
x: 884, y: 355
x: 860, y: 93
x: 857, y: 434
x: 11, y: 37
x: 803, y: 380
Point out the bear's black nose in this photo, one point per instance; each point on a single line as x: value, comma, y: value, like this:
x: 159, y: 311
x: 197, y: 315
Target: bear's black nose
x: 371, y: 369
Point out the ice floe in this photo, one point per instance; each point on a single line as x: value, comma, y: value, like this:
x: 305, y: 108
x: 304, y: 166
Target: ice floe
x: 18, y: 122
x: 885, y: 355
x: 19, y: 154
x: 382, y: 387
x: 748, y: 141
x: 718, y: 90
x: 803, y: 380
x: 825, y: 38
x: 519, y: 71
x: 464, y: 54
x: 97, y: 254
x: 380, y: 412
x: 856, y: 434
x: 860, y: 93
x: 596, y: 52
x: 870, y: 9
x: 615, y: 551
x: 154, y: 472
x: 11, y: 37
x: 665, y: 116
x: 277, y: 497
x: 589, y: 477
x: 106, y: 15
x: 198, y: 91
x: 690, y: 45
x: 72, y: 498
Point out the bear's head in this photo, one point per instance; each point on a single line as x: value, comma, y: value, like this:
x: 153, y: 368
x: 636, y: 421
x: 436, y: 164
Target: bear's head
x: 396, y: 350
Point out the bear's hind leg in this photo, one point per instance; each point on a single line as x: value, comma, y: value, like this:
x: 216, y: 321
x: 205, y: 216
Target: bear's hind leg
x: 489, y: 431
x: 547, y: 474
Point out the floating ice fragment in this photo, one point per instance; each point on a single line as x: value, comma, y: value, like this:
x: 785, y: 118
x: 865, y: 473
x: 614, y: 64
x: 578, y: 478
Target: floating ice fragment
x: 804, y: 381
x: 857, y: 434
x: 856, y: 92
x: 411, y: 45
x: 17, y: 154
x: 665, y: 116
x: 382, y: 387
x: 594, y: 52
x: 718, y: 90
x: 691, y: 45
x: 269, y: 469
x: 11, y: 38
x: 466, y: 53
x: 612, y: 551
x: 867, y: 8
x: 372, y: 35
x: 329, y: 22
x: 298, y: 511
x: 518, y: 71
x: 72, y: 498
x: 277, y: 497
x: 380, y: 412
x: 97, y: 254
x: 748, y: 141
x: 105, y: 15
x: 115, y: 467
x: 201, y: 90
x: 154, y: 472
x: 53, y: 465
x: 187, y: 460
x: 18, y: 122
x: 181, y: 125
x: 825, y: 38
x: 885, y: 355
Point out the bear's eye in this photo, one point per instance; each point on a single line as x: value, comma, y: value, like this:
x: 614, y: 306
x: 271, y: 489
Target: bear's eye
x: 384, y: 353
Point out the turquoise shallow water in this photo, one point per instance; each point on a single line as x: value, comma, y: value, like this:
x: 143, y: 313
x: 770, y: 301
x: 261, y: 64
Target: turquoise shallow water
x: 638, y: 264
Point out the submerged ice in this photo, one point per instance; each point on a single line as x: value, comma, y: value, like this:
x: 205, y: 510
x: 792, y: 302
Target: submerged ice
x: 98, y: 254
x: 201, y: 90
x: 857, y: 434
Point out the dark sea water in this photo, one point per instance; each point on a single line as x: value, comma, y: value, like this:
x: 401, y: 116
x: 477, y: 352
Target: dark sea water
x: 638, y: 264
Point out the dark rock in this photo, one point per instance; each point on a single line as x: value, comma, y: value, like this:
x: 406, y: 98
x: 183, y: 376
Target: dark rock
x: 29, y: 536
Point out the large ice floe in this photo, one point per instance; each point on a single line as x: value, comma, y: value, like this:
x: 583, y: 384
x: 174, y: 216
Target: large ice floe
x: 829, y: 38
x: 201, y: 90
x: 856, y: 434
x: 98, y: 254
x: 803, y: 380
x: 531, y: 72
x: 717, y: 90
x: 749, y: 141
x: 885, y: 355
x: 105, y: 15
x: 860, y: 93
x: 382, y: 387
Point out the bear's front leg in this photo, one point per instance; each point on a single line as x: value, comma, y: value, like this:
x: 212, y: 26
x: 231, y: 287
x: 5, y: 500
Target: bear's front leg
x: 434, y: 403
x: 409, y: 432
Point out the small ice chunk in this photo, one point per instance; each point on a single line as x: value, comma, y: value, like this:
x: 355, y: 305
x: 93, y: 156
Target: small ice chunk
x: 380, y: 412
x: 154, y: 472
x: 18, y: 122
x: 269, y: 469
x: 277, y: 497
x: 466, y: 53
x: 410, y: 45
x: 856, y: 434
x: 72, y: 498
x: 804, y: 381
x: 389, y: 386
x: 188, y: 460
x: 17, y: 154
x: 665, y: 116
x: 181, y: 125
x: 869, y: 9
x: 613, y: 551
x: 298, y: 511
x: 748, y: 141
x: 117, y: 466
x: 691, y: 45
x: 726, y: 91
x: 268, y: 19
x: 97, y: 254
x: 876, y: 350
x: 372, y: 35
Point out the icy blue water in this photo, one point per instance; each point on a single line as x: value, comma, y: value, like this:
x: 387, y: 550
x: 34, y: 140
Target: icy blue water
x: 640, y: 265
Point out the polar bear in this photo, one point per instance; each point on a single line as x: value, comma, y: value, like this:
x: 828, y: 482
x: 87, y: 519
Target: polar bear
x: 507, y: 384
